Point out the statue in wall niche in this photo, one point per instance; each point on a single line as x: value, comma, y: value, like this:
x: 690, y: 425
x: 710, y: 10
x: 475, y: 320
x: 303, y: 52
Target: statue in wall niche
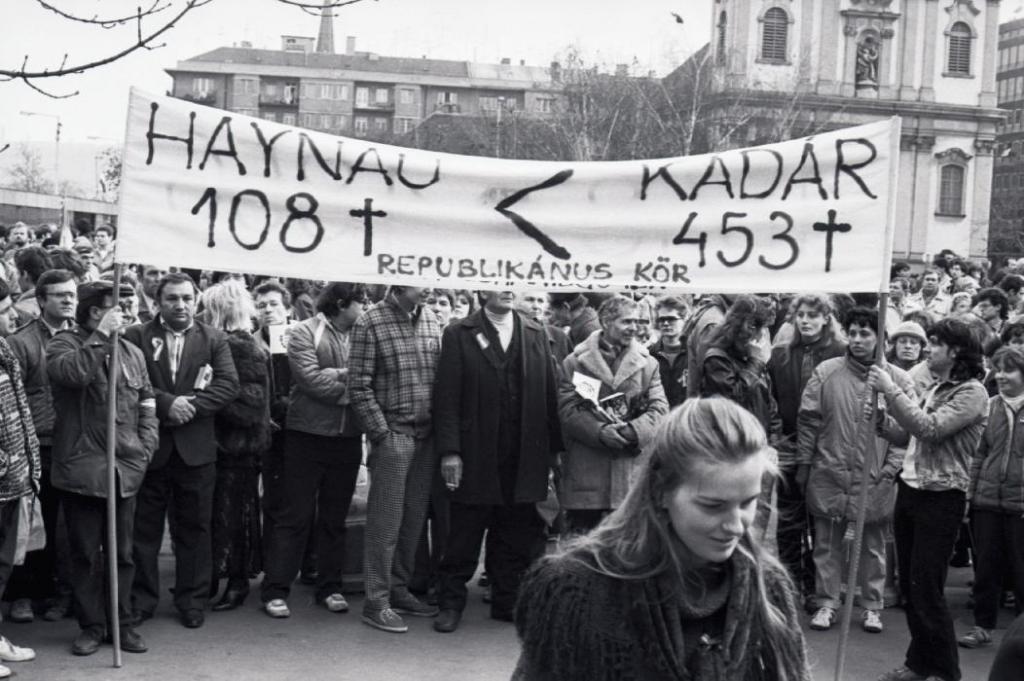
x: 867, y: 62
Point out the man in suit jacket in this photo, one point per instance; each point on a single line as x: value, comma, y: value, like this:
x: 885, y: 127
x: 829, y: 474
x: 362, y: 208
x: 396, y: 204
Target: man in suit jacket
x: 497, y: 430
x: 193, y: 377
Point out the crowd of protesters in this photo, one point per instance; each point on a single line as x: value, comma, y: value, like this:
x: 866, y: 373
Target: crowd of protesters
x: 488, y: 423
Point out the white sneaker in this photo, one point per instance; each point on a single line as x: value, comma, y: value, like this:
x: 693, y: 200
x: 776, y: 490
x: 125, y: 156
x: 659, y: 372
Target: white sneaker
x: 871, y: 622
x: 336, y: 603
x: 823, y: 619
x: 4, y: 672
x: 277, y: 608
x: 12, y: 653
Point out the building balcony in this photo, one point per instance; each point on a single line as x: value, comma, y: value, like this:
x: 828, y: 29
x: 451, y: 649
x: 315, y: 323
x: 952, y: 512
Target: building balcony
x: 374, y: 106
x: 449, y: 108
x: 199, y: 97
x: 286, y: 101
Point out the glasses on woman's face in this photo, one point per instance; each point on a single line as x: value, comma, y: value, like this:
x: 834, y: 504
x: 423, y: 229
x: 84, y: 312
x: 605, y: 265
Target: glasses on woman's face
x: 668, y: 319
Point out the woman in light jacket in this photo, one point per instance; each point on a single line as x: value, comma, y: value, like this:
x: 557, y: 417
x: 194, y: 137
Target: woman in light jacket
x: 323, y: 451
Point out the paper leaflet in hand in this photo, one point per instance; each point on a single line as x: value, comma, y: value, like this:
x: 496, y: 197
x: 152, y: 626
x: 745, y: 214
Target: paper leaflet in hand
x: 277, y: 335
x: 589, y: 388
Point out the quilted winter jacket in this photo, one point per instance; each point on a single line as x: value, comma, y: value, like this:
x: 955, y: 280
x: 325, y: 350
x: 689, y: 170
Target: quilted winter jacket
x: 997, y: 469
x: 593, y: 476
x: 833, y: 438
x: 319, y: 400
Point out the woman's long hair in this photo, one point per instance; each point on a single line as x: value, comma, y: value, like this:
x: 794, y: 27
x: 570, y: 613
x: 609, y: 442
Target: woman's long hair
x: 637, y: 540
x: 745, y: 309
x: 816, y: 301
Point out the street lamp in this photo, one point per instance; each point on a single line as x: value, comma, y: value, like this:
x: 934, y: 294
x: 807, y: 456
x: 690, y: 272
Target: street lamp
x: 58, y: 188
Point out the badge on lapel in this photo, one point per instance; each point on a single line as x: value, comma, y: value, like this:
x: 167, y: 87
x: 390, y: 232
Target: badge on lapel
x: 158, y: 347
x: 481, y: 339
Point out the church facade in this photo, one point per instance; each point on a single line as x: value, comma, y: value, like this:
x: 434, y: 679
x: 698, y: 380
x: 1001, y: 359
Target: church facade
x: 787, y: 68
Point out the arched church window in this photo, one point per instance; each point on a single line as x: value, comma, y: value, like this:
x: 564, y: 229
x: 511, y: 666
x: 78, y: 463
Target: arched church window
x: 960, y: 37
x: 951, y: 190
x: 774, y: 35
x: 722, y: 23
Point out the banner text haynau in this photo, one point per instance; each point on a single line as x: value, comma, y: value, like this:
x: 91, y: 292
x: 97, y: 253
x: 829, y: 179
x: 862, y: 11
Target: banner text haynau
x: 214, y: 190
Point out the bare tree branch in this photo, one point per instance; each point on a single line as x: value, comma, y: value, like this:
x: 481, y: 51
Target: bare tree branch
x: 143, y: 39
x: 142, y: 42
x: 4, y: 148
x: 47, y: 92
x: 105, y: 23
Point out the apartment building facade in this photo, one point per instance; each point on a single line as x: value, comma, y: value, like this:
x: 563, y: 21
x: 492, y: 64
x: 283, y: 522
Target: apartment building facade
x: 357, y: 94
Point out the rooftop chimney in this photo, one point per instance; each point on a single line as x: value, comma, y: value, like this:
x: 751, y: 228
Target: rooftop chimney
x: 522, y: 62
x: 622, y: 70
x: 556, y: 72
x: 506, y: 61
x: 350, y: 45
x: 325, y: 41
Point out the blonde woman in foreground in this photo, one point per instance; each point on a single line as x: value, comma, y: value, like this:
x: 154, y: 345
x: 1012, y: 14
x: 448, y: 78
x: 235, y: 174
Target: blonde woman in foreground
x: 671, y: 585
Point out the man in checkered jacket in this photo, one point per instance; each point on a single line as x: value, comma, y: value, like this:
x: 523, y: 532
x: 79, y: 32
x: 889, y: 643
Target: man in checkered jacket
x: 395, y: 346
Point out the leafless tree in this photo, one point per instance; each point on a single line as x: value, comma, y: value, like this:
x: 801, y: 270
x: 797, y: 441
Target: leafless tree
x: 110, y: 173
x: 27, y: 172
x: 141, y: 28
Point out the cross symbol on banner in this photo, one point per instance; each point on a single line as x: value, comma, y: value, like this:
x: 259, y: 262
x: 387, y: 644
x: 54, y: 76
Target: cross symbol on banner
x: 367, y: 214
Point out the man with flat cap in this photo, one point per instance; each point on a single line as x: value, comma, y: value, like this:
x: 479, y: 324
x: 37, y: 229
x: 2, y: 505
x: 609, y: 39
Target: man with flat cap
x: 78, y: 364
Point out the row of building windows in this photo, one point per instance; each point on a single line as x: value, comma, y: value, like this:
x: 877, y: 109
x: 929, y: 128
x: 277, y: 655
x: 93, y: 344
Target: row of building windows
x: 1010, y: 89
x: 360, y: 125
x: 1008, y: 181
x: 1011, y: 56
x: 774, y: 47
x: 365, y: 96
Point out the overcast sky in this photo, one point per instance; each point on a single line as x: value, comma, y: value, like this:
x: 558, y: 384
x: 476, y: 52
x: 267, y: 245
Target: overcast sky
x: 607, y: 32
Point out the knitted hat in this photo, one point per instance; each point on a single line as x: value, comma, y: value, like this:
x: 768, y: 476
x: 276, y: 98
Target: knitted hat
x: 912, y: 329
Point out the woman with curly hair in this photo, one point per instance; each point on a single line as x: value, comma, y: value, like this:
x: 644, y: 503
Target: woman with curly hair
x: 243, y: 433
x: 672, y: 584
x: 735, y: 365
x: 944, y: 430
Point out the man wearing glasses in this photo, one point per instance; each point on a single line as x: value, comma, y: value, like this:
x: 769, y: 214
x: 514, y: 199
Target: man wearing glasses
x: 670, y: 348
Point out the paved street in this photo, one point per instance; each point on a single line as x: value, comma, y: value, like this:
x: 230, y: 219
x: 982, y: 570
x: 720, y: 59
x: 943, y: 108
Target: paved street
x: 246, y: 645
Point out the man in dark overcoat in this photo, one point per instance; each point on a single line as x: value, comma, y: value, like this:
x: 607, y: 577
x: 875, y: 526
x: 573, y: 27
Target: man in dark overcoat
x: 497, y: 431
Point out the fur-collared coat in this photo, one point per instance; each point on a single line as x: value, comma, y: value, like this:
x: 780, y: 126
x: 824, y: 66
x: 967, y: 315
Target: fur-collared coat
x: 243, y: 425
x: 594, y: 476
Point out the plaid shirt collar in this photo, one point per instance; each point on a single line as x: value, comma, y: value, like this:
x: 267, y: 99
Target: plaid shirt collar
x: 411, y: 317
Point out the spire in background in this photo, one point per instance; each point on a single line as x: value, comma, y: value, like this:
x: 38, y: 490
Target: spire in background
x: 325, y: 41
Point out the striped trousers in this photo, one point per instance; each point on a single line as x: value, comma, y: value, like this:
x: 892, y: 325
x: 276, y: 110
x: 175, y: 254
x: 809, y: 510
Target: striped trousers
x: 401, y: 472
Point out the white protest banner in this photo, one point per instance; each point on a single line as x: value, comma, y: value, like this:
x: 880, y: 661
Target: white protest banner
x: 211, y: 189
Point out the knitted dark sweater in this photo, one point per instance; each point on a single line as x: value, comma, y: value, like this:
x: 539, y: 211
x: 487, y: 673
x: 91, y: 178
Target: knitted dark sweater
x: 576, y: 624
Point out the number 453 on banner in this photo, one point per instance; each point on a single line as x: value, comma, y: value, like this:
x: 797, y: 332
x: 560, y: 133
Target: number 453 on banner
x: 212, y: 189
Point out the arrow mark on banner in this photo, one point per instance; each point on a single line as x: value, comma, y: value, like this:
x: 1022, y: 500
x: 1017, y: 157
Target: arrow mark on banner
x: 527, y: 227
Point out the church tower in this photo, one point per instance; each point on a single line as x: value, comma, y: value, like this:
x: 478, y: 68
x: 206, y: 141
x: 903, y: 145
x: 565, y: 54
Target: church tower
x: 785, y: 68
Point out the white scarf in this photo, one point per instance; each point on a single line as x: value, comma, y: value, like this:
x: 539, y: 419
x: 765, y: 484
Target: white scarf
x: 504, y: 325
